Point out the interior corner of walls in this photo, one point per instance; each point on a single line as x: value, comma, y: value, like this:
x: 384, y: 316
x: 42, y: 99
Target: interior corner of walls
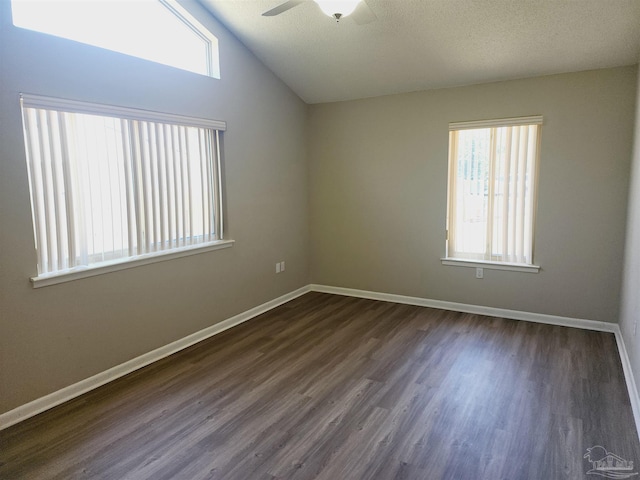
x: 630, y: 377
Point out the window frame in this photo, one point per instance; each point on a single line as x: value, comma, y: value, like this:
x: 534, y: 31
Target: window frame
x: 467, y: 261
x: 211, y: 41
x: 82, y: 271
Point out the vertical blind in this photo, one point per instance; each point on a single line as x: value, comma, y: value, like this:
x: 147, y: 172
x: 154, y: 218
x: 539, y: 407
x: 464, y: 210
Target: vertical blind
x: 492, y: 179
x: 111, y: 183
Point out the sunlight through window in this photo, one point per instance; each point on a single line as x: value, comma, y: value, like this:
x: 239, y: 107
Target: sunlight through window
x: 492, y: 181
x: 157, y: 30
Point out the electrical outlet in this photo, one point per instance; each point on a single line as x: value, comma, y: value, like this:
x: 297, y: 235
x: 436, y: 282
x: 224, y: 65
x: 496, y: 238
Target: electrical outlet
x: 479, y: 272
x: 278, y: 267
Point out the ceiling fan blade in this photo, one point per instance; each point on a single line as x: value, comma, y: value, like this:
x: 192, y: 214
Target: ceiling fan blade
x: 363, y: 14
x: 283, y: 7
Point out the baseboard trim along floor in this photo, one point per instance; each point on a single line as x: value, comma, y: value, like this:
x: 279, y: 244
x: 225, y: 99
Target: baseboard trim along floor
x: 72, y: 391
x: 511, y: 314
x: 56, y: 398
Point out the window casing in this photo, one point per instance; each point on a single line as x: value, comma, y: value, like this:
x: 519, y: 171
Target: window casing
x: 111, y: 185
x: 492, y: 190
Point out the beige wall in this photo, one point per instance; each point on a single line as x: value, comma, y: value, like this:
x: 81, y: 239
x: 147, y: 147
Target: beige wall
x: 55, y: 336
x: 630, y: 305
x: 378, y: 172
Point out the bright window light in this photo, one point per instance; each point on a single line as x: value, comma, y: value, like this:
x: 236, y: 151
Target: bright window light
x: 157, y: 30
x: 111, y: 184
x: 492, y: 183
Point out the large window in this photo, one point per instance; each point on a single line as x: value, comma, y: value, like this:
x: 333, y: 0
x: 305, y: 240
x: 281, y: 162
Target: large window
x: 157, y: 30
x: 492, y: 186
x: 111, y: 185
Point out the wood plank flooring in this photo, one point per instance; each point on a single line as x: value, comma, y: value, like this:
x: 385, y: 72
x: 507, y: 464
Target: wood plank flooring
x: 331, y: 387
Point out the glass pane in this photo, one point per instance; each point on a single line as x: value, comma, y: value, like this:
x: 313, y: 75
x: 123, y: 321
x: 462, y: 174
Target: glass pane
x: 472, y: 190
x: 142, y: 28
x: 99, y: 161
x: 493, y: 193
x: 105, y: 188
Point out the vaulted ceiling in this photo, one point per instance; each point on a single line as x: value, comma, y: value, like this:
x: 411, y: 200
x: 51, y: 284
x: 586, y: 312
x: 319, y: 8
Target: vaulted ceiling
x: 425, y: 44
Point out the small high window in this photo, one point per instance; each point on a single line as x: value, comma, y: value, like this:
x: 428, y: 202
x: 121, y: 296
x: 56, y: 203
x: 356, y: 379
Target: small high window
x: 157, y: 30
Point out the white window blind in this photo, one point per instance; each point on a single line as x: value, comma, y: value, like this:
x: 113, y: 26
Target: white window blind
x: 110, y: 184
x: 492, y: 183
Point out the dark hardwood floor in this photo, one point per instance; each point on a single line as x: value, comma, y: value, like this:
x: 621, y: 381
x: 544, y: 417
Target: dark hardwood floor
x: 332, y: 387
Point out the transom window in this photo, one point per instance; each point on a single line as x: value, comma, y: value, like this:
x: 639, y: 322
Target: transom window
x: 492, y: 185
x: 158, y: 30
x: 110, y: 185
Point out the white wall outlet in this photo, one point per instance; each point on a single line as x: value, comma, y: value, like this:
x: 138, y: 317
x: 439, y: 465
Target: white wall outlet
x: 278, y: 267
x: 479, y: 272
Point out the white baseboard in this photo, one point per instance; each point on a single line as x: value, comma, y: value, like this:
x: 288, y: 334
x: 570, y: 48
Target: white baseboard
x: 466, y: 308
x: 512, y: 314
x: 72, y: 391
x: 56, y: 398
x: 629, y: 378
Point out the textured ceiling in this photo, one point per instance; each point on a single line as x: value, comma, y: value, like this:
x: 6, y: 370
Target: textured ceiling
x: 424, y: 44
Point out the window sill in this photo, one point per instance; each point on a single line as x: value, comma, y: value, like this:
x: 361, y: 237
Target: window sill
x: 122, y: 264
x: 513, y: 267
